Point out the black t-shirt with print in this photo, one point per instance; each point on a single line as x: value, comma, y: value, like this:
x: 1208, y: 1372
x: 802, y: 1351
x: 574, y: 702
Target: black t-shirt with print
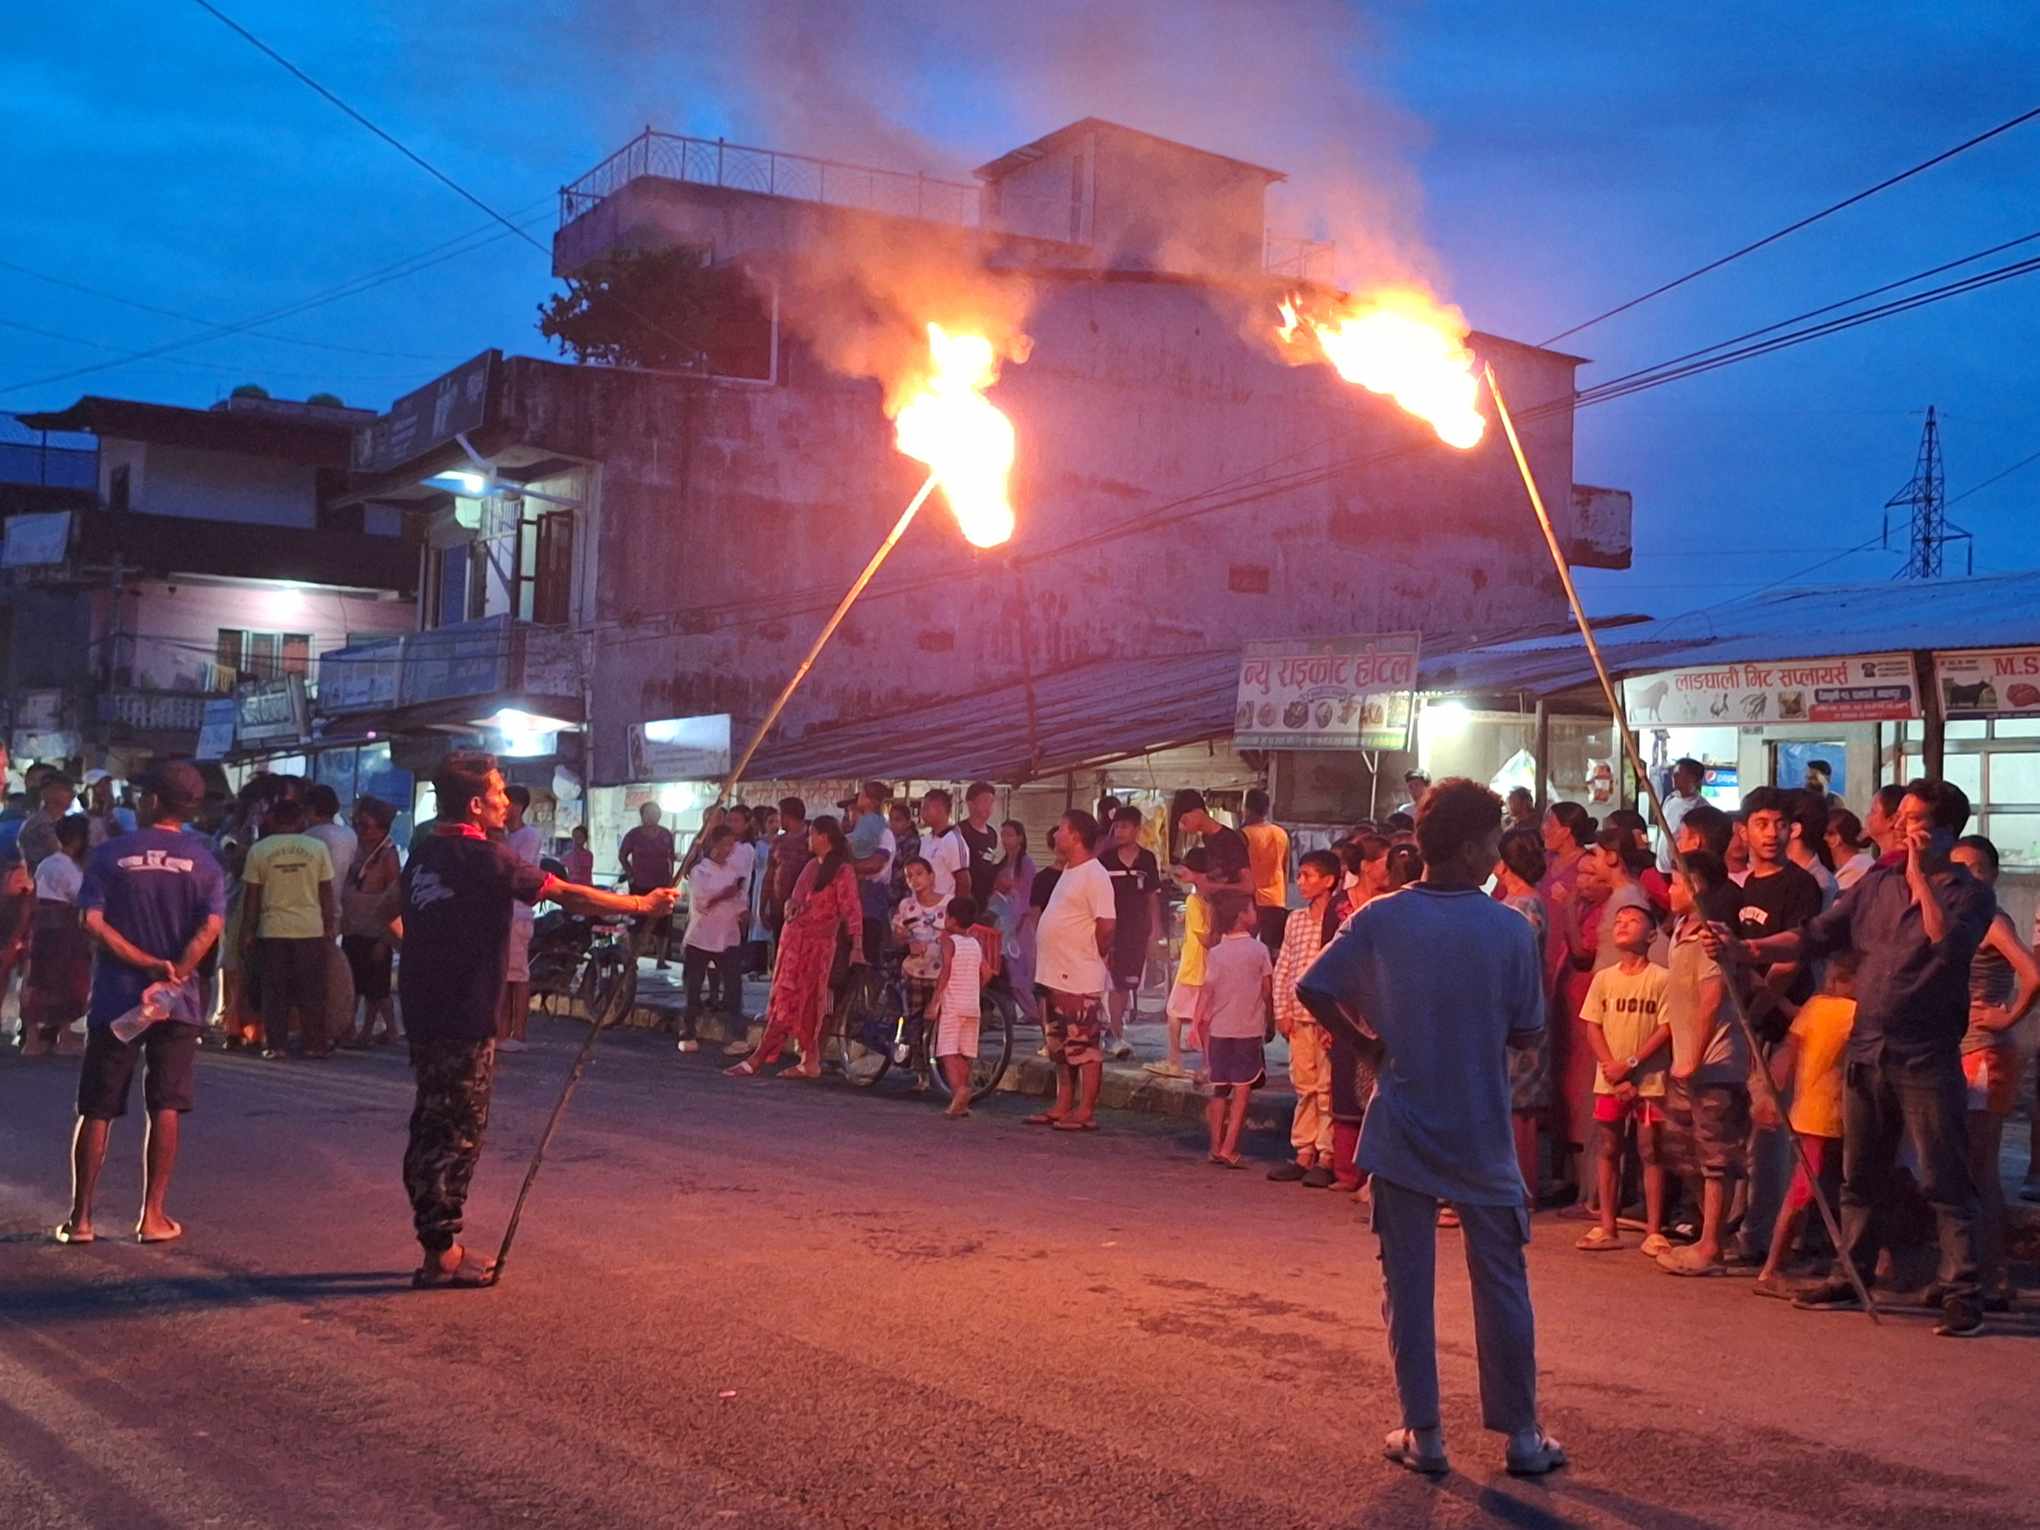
x: 1772, y: 905
x: 986, y: 856
x: 1133, y: 888
x: 458, y: 895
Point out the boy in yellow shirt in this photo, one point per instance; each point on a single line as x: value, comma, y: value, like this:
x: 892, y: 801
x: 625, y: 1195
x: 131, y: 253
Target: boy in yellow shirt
x: 1198, y: 937
x: 1809, y: 1063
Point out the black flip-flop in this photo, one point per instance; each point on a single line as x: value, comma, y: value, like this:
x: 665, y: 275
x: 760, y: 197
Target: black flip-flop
x: 1067, y: 1125
x: 1040, y: 1120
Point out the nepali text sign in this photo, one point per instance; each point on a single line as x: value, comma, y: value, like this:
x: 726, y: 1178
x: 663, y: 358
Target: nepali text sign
x: 216, y: 730
x: 35, y: 541
x: 1328, y: 693
x: 1874, y: 687
x: 681, y: 749
x: 1989, y: 682
x: 362, y: 677
x: 272, y: 713
x: 429, y: 418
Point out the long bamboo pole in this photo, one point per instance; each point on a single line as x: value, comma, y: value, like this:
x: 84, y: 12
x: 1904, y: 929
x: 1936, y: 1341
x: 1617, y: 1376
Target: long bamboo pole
x: 1657, y: 810
x: 828, y: 631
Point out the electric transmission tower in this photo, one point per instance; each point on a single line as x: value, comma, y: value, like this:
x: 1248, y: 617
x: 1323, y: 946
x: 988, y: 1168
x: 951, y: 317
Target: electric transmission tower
x: 1926, y: 497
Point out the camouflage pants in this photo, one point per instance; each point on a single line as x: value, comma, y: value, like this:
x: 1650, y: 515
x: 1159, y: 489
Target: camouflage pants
x: 452, y: 1111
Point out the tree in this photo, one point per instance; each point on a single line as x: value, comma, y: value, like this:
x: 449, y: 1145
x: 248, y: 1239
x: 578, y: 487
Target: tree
x: 249, y: 390
x: 329, y: 400
x: 651, y: 308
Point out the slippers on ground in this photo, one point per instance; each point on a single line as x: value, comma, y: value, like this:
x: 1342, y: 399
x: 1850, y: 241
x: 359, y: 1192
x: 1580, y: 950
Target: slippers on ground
x: 744, y: 1069
x: 176, y: 1232
x: 62, y: 1233
x: 1597, y: 1240
x: 471, y: 1274
x: 1400, y: 1447
x: 1067, y: 1125
x: 1549, y: 1456
x: 1682, y: 1261
x: 1042, y: 1119
x: 1226, y: 1163
x: 1771, y: 1285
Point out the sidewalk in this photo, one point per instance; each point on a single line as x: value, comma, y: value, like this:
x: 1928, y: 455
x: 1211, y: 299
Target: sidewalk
x: 1126, y: 1085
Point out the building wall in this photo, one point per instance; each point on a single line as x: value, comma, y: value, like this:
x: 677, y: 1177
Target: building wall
x: 1158, y: 207
x: 732, y: 517
x: 220, y: 486
x: 165, y: 635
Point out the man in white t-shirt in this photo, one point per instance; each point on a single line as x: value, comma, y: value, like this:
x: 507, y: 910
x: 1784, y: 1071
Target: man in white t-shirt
x: 713, y: 950
x: 1687, y: 774
x: 941, y: 846
x: 1069, y: 974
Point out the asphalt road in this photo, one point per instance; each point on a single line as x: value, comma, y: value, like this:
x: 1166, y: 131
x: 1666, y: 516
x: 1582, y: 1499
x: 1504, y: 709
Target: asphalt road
x: 774, y: 1304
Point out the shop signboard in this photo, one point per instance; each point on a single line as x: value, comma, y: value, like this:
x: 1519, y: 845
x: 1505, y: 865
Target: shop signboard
x: 1328, y: 693
x: 35, y: 541
x: 468, y: 659
x: 552, y: 662
x: 216, y: 729
x: 1870, y: 687
x: 361, y: 677
x: 1989, y: 682
x: 422, y: 421
x: 681, y: 749
x: 271, y: 713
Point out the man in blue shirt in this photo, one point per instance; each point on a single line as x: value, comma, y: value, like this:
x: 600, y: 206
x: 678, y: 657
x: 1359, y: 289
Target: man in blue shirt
x: 153, y: 902
x: 1437, y: 981
x: 1915, y: 925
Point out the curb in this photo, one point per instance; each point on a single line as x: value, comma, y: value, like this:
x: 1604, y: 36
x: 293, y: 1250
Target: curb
x: 1125, y: 1086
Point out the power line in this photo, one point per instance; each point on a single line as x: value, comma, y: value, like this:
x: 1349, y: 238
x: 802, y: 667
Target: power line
x: 220, y: 367
x: 410, y: 265
x: 1794, y: 227
x: 2023, y: 462
x: 186, y: 318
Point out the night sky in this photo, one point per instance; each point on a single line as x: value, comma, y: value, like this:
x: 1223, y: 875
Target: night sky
x: 1536, y: 172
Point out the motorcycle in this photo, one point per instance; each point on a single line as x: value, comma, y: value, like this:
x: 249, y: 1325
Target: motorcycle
x: 590, y: 962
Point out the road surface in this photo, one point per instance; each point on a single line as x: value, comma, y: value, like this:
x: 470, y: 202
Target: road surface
x: 774, y: 1304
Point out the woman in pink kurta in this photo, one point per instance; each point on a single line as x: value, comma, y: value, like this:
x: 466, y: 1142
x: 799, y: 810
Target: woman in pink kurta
x: 824, y: 900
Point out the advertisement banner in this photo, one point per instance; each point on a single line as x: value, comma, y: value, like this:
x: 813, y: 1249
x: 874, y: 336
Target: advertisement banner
x: 681, y: 749
x: 1873, y: 687
x: 216, y: 731
x: 271, y: 713
x: 1989, y: 682
x: 1328, y: 693
x: 32, y: 541
x: 429, y: 418
x: 362, y: 677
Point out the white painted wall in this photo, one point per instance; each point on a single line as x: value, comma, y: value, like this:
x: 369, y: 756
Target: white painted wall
x: 167, y: 634
x: 220, y: 486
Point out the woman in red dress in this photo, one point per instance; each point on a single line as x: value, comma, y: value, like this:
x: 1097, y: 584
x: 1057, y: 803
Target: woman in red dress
x: 824, y: 900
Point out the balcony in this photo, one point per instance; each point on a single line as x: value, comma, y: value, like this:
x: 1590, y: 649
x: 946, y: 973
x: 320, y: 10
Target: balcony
x: 449, y: 670
x: 612, y: 188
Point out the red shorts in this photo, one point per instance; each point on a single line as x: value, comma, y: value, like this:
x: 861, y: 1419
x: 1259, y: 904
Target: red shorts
x: 1825, y: 1154
x: 1611, y: 1110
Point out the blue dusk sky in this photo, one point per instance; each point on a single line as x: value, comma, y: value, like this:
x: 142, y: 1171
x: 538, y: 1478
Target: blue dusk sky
x: 1536, y: 164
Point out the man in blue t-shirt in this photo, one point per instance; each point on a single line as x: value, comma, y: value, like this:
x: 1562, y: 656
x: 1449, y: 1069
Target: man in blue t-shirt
x: 451, y: 914
x: 153, y: 902
x: 1436, y: 981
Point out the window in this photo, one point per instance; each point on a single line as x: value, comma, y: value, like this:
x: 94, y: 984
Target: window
x: 256, y: 656
x: 118, y: 488
x: 553, y: 571
x: 458, y: 587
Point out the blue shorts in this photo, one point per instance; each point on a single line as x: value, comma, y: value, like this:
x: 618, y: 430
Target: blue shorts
x: 1234, y: 1060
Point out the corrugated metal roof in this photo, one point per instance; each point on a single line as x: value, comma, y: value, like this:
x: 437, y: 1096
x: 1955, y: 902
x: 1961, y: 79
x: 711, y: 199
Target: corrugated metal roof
x: 1114, y: 708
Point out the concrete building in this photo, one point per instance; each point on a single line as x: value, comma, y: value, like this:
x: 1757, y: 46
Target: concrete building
x: 206, y: 563
x: 1180, y: 486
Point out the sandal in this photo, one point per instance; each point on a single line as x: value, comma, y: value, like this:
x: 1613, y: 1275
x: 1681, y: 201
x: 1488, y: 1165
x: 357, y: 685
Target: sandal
x: 1549, y: 1456
x: 62, y: 1233
x: 744, y: 1069
x: 1400, y: 1447
x: 1597, y: 1240
x: 1228, y: 1163
x: 1043, y: 1119
x: 471, y: 1274
x: 1067, y: 1125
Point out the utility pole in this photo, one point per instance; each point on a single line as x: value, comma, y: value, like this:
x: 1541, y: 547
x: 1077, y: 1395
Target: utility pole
x: 1926, y: 499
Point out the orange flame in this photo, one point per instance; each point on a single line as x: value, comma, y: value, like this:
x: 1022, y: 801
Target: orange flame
x: 948, y: 423
x: 1399, y: 343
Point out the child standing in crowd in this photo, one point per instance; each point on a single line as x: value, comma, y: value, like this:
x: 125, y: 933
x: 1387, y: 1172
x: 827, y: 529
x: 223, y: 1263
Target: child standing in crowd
x: 1517, y: 876
x: 918, y: 922
x: 1232, y: 1021
x: 1310, y: 1073
x: 1809, y: 1063
x: 1707, y: 1097
x: 1197, y: 938
x: 2003, y: 984
x: 1628, y: 1035
x: 713, y: 947
x: 958, y: 1000
x: 59, y: 981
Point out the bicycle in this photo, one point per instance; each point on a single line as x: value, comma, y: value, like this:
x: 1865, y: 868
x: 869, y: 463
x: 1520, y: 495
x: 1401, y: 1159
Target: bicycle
x: 872, y: 1032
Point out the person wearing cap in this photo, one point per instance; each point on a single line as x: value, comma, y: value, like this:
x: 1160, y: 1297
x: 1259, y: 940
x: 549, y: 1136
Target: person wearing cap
x: 154, y: 903
x: 109, y: 820
x: 1417, y: 783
